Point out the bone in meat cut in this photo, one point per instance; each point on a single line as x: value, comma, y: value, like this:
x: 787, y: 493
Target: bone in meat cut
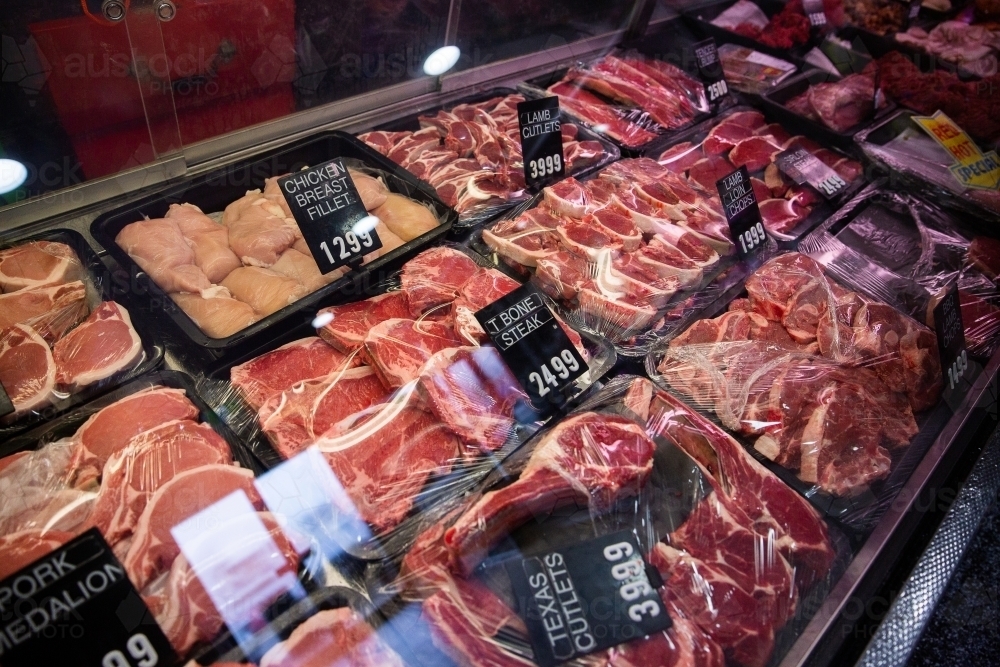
x: 27, y: 370
x: 590, y: 457
x: 103, y: 345
x: 38, y: 264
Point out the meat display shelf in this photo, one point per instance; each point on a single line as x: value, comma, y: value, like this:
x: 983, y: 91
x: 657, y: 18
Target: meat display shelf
x: 837, y: 632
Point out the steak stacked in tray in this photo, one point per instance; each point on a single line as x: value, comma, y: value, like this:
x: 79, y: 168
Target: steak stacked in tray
x: 471, y: 154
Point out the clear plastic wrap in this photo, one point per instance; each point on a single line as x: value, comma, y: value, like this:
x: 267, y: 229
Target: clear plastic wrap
x: 743, y: 560
x: 750, y: 71
x: 904, y: 148
x: 909, y: 252
x: 829, y: 383
x: 152, y: 468
x: 627, y: 96
x: 747, y: 137
x: 631, y: 252
x: 63, y: 340
x: 400, y: 394
x: 470, y: 153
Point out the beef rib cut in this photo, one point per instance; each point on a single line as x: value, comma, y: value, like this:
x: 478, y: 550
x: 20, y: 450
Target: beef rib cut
x: 397, y: 349
x: 434, y: 277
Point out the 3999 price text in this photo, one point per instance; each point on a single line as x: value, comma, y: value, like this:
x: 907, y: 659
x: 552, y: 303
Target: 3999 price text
x: 545, y: 166
x: 631, y: 572
x: 347, y: 246
x: 563, y: 364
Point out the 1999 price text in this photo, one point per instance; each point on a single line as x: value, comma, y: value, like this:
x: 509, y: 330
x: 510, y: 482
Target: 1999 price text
x: 635, y: 584
x: 347, y: 246
x: 753, y: 237
x: 563, y: 364
x: 545, y: 166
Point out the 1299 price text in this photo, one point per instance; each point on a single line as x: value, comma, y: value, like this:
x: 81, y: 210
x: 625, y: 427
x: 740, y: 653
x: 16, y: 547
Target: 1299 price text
x: 631, y: 572
x: 752, y: 237
x: 545, y: 166
x: 717, y: 90
x: 563, y: 364
x: 141, y: 650
x: 347, y: 246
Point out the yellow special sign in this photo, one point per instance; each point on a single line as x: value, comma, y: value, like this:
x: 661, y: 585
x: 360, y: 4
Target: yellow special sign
x: 974, y: 169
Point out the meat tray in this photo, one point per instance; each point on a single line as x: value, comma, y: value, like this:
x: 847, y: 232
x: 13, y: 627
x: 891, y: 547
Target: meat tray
x: 670, y: 44
x: 440, y: 491
x: 481, y: 215
x: 856, y: 514
x: 899, y: 145
x: 216, y: 190
x: 797, y: 127
x: 101, y: 286
x: 676, y: 487
x: 778, y: 97
x: 908, y: 252
x: 701, y: 18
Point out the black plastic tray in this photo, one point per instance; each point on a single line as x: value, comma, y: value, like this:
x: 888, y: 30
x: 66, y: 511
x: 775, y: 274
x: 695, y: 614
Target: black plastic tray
x: 66, y: 425
x: 702, y: 17
x: 473, y: 219
x: 216, y: 190
x: 242, y: 419
x: 100, y: 287
x: 858, y: 514
x: 795, y: 125
x: 778, y: 97
x: 670, y: 43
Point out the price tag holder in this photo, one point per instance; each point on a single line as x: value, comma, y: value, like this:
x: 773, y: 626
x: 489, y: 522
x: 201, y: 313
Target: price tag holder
x: 6, y: 406
x: 951, y: 343
x: 76, y: 606
x: 710, y: 69
x: 740, y: 204
x: 329, y: 211
x: 534, y: 346
x: 815, y: 13
x: 541, y: 141
x: 803, y: 167
x: 587, y: 597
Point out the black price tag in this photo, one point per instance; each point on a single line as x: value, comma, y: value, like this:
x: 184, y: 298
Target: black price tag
x: 951, y: 340
x: 742, y: 212
x: 6, y: 406
x: 587, y: 597
x: 76, y: 606
x: 803, y: 167
x: 331, y: 215
x: 814, y: 12
x: 710, y: 69
x: 541, y: 140
x: 534, y: 346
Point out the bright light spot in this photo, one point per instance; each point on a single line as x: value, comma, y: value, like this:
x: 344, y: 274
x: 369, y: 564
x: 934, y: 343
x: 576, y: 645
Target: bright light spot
x: 365, y: 224
x: 12, y: 175
x: 322, y: 320
x: 602, y: 127
x: 441, y: 60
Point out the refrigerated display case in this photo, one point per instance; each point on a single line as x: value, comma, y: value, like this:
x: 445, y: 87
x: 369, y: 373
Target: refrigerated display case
x: 308, y: 360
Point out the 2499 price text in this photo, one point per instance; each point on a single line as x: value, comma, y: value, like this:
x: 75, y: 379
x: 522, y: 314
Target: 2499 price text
x: 563, y: 364
x: 635, y: 584
x: 545, y: 166
x: 348, y: 245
